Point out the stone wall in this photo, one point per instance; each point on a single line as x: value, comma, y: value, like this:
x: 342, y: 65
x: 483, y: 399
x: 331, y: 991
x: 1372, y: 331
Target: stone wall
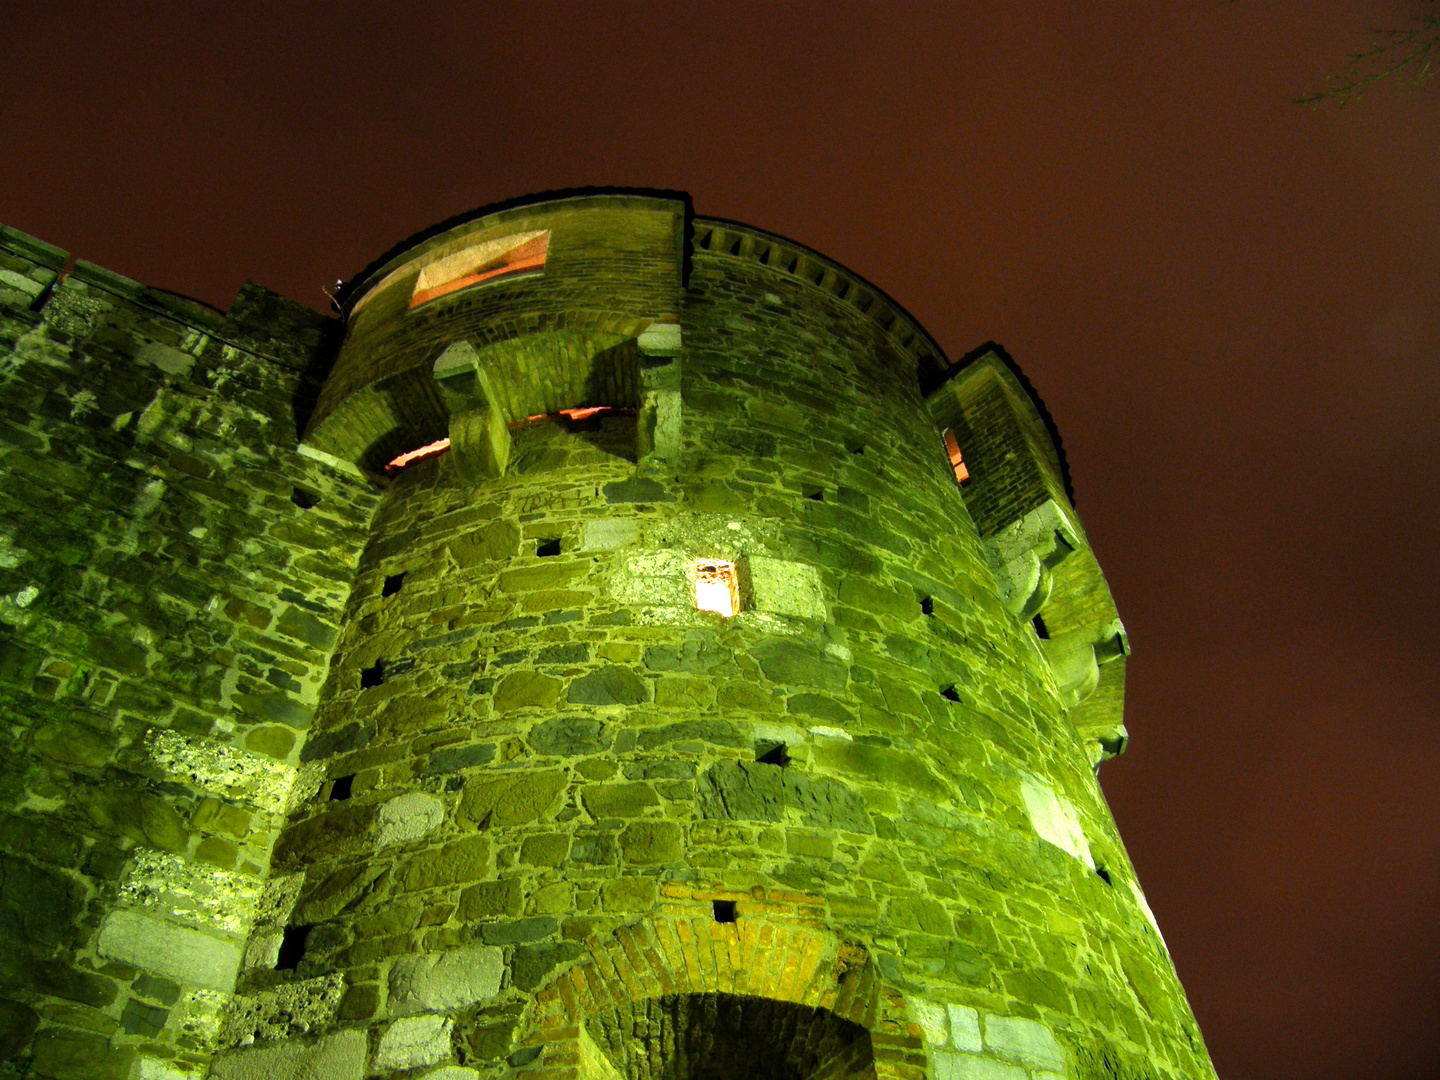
x: 172, y: 574
x: 447, y: 775
x: 539, y: 770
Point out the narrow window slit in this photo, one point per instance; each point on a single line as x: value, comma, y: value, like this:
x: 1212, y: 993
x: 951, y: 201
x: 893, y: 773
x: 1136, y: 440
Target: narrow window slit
x: 949, y: 693
x: 1041, y: 630
x: 304, y: 498
x: 855, y: 447
x: 393, y: 583
x: 735, y: 247
x: 1103, y: 875
x: 340, y: 787
x: 927, y: 605
x: 952, y: 447
x: 725, y: 911
x: 292, y: 947
x: 815, y: 494
x: 372, y: 676
x: 546, y: 549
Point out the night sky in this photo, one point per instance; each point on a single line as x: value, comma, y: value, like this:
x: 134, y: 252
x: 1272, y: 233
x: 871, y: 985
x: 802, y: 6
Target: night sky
x: 1230, y: 303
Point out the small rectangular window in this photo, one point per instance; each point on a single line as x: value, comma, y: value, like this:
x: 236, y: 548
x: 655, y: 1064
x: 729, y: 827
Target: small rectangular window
x: 952, y: 447
x: 716, y: 587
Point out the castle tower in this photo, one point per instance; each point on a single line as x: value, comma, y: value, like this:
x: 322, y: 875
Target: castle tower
x: 644, y: 656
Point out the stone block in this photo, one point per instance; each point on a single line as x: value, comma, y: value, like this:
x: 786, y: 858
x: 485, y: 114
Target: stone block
x: 408, y: 817
x: 186, y: 955
x: 609, y: 685
x: 17, y: 1023
x: 451, y: 980
x: 64, y: 1054
x: 1027, y: 1041
x: 1055, y: 819
x: 796, y: 663
x: 171, y: 361
x: 495, y: 541
x: 413, y: 1041
x: 608, y: 533
x: 952, y: 1066
x: 336, y: 1057
x: 36, y: 904
x: 659, y: 339
x: 526, y: 689
x: 532, y: 964
x: 780, y: 587
x: 509, y: 800
x: 457, y: 862
x: 932, y: 1020
x: 490, y: 899
x: 629, y: 894
x: 964, y: 1028
x: 651, y: 843
x: 618, y: 800
x: 480, y: 444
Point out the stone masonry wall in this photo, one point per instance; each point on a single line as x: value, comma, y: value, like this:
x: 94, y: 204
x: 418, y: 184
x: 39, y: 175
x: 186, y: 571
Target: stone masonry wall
x: 171, y: 574
x: 533, y: 750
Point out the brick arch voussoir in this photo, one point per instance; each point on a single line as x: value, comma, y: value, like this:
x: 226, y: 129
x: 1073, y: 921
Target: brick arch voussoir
x: 780, y: 948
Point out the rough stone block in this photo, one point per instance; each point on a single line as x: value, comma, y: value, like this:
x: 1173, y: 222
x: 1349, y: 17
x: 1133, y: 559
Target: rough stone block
x: 413, y: 1041
x: 409, y: 817
x: 188, y: 956
x: 659, y: 339
x: 171, y: 361
x: 952, y: 1066
x: 779, y: 587
x: 1024, y: 1040
x: 450, y: 1072
x: 337, y: 1057
x: 63, y: 1054
x: 523, y: 689
x: 619, y: 800
x: 449, y: 981
x: 36, y: 904
x: 964, y: 1028
x: 1055, y: 819
x: 609, y: 533
x: 509, y: 800
x: 651, y: 843
x: 609, y: 686
x: 457, y: 862
x: 931, y: 1018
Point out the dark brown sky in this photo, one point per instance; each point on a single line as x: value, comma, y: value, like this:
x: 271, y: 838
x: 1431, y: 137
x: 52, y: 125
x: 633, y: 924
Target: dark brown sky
x: 1230, y: 303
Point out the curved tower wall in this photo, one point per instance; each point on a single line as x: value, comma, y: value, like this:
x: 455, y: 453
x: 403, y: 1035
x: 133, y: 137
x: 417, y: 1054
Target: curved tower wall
x: 553, y: 817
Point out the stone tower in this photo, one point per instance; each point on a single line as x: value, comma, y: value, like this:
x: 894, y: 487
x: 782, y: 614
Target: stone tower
x: 621, y: 645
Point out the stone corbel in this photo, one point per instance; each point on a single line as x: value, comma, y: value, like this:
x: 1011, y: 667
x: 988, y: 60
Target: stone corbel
x: 1025, y: 551
x: 479, y: 439
x: 660, y: 414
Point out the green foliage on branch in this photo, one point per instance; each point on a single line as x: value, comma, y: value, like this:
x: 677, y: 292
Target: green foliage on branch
x: 1403, y: 54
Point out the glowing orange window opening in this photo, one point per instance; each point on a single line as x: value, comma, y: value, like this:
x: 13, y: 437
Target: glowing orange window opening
x: 715, y: 587
x: 483, y: 262
x: 435, y: 449
x: 424, y: 453
x: 956, y: 461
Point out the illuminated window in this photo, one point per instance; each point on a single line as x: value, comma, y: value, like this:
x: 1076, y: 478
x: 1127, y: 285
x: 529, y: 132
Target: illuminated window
x: 715, y: 587
x: 424, y: 453
x: 510, y: 255
x: 956, y: 461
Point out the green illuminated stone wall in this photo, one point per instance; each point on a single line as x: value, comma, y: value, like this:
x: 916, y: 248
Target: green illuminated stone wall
x: 445, y: 775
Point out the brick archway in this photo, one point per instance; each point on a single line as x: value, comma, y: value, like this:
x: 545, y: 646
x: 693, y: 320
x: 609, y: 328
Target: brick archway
x: 778, y: 949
